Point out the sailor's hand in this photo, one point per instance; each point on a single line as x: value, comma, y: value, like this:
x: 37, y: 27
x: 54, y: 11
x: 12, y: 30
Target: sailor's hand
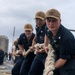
x: 46, y: 49
x: 40, y: 50
x: 24, y: 53
x: 31, y: 49
x: 17, y: 55
x: 18, y: 52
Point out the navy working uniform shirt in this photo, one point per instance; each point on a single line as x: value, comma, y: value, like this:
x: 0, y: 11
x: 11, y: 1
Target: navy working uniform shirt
x: 40, y: 34
x: 24, y: 42
x: 64, y: 46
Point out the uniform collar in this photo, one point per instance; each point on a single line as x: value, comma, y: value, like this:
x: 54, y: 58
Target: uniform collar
x: 41, y: 28
x: 59, y: 33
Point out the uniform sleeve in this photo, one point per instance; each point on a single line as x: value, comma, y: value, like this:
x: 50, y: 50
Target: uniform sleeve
x: 65, y: 49
x: 48, y: 33
x: 20, y: 40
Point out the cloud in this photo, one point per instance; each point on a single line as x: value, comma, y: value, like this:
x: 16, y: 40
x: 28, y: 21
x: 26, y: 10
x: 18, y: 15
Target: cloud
x: 19, y: 12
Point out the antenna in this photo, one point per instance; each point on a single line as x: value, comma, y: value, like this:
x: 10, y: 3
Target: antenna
x: 13, y: 36
x: 72, y: 30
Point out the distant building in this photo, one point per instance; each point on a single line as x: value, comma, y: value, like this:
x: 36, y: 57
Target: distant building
x: 4, y: 43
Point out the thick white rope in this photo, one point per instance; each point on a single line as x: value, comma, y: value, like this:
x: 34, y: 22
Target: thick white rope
x: 49, y: 63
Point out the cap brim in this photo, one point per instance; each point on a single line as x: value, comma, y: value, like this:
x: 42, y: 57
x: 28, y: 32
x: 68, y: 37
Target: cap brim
x: 39, y: 17
x: 27, y: 29
x: 52, y: 17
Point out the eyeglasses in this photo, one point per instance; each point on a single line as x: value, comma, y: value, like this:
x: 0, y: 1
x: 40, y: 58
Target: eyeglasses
x: 51, y: 20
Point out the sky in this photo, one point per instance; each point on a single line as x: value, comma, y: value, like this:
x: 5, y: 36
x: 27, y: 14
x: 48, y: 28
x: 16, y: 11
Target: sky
x: 16, y: 13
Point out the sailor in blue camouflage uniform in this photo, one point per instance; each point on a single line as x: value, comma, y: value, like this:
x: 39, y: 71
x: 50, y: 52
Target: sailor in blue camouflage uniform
x: 38, y: 62
x: 63, y: 42
x: 22, y: 66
